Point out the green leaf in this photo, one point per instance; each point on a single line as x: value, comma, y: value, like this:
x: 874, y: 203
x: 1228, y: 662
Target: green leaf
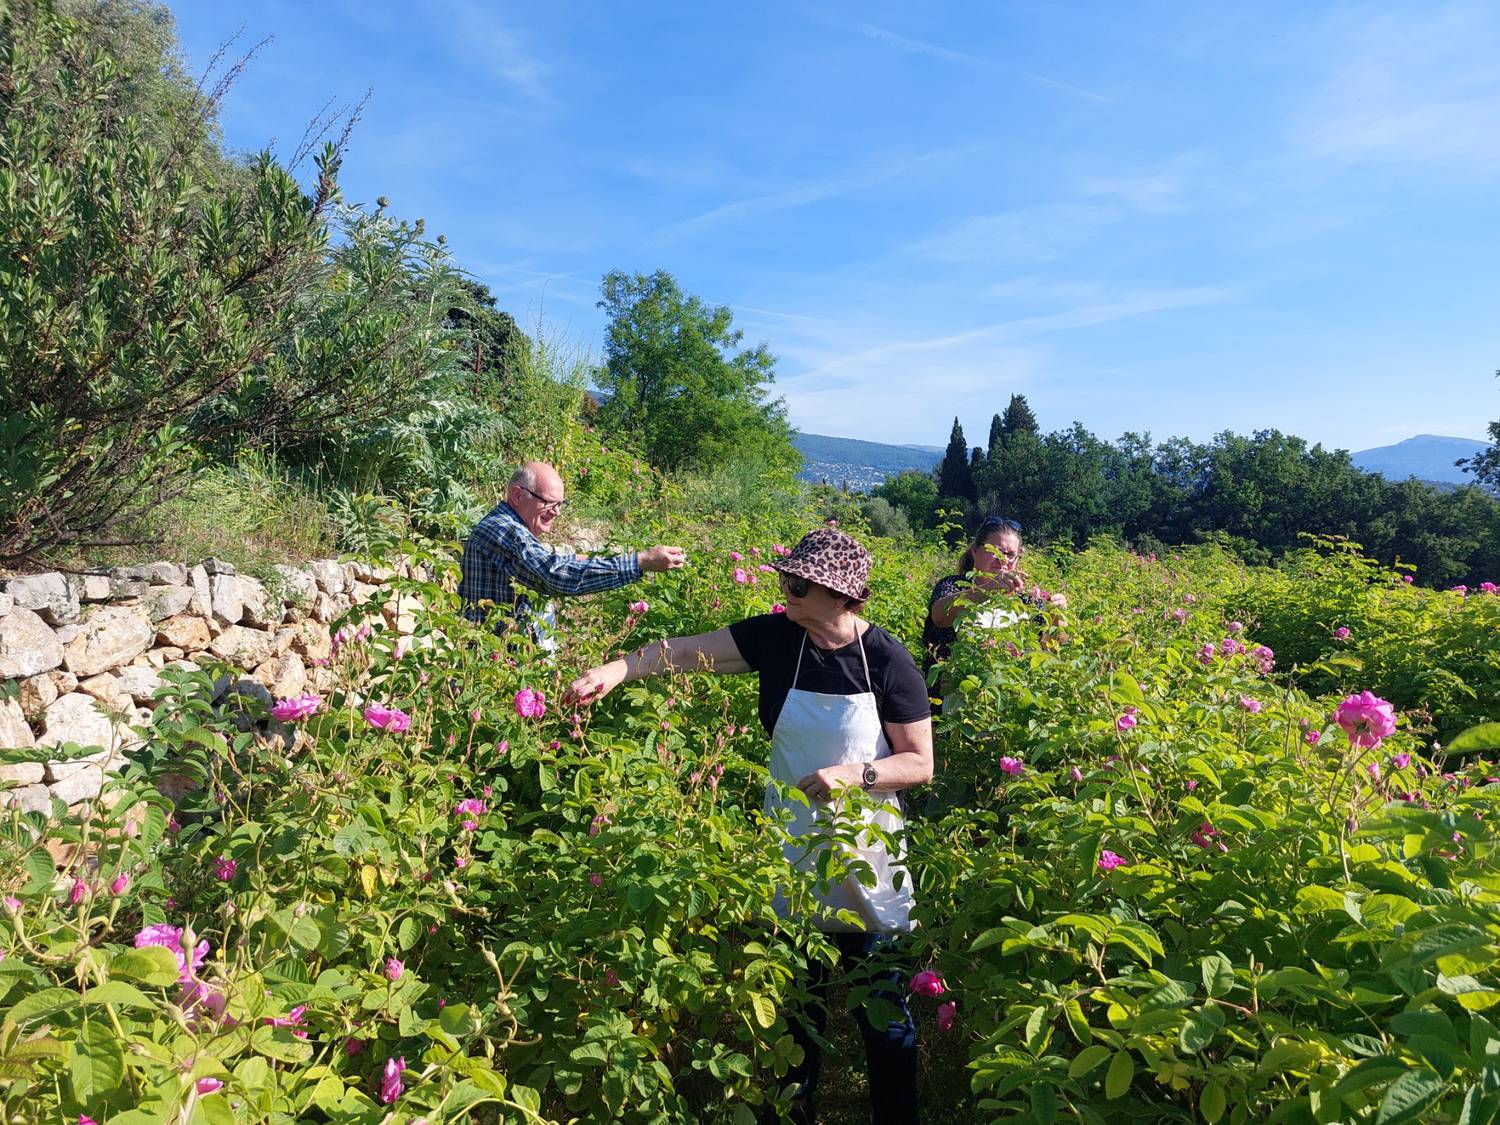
x: 1121, y: 1071
x: 1369, y: 1072
x: 151, y: 964
x: 1408, y: 1096
x: 1201, y: 1027
x: 1044, y: 1103
x: 98, y: 1064
x: 765, y: 1011
x: 117, y: 992
x: 1213, y: 1101
x: 1087, y: 1059
x: 1315, y: 899
x: 409, y: 932
x: 1218, y: 974
x: 1486, y: 736
x: 1424, y: 1021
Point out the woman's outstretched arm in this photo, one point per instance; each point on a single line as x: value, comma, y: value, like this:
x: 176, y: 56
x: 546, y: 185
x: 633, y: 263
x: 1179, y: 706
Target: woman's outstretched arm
x: 706, y: 652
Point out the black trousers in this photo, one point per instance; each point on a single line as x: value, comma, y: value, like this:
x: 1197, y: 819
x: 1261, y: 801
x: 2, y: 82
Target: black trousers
x: 890, y: 1050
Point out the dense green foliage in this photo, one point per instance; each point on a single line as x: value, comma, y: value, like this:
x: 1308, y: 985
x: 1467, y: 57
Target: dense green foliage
x: 678, y: 387
x: 1288, y: 931
x: 1257, y: 494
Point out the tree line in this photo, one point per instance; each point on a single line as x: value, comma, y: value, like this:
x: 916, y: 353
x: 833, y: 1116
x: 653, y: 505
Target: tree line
x: 1254, y: 493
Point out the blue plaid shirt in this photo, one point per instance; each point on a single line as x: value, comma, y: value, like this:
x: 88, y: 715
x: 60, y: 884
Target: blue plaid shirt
x: 502, y: 551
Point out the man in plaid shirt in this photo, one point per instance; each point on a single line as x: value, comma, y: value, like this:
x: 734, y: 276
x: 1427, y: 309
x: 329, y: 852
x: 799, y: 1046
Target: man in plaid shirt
x: 505, y: 548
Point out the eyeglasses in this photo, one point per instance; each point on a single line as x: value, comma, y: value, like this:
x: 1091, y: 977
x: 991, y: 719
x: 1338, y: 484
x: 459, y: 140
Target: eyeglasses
x: 547, y: 505
x: 995, y: 523
x: 795, y: 584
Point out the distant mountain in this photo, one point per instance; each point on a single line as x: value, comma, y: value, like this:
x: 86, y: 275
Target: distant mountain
x: 863, y: 464
x: 1427, y: 457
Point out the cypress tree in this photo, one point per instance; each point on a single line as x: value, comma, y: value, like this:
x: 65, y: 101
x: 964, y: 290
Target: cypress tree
x: 997, y: 435
x: 1018, y: 418
x: 954, y: 478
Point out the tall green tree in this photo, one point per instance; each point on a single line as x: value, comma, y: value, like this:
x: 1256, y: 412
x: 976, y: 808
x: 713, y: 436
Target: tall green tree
x: 997, y: 435
x: 680, y: 384
x: 914, y: 493
x: 954, y: 477
x: 134, y: 290
x: 1018, y: 418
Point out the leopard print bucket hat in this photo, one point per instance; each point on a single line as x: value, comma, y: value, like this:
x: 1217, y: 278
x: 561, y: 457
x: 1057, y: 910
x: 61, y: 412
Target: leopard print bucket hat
x: 831, y: 558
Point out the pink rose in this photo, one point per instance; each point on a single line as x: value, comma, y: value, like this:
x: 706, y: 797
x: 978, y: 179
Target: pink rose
x: 1312, y: 737
x: 297, y: 707
x: 639, y: 608
x: 208, y: 1085
x: 390, y: 719
x: 1254, y: 706
x: 390, y: 1080
x: 1400, y: 761
x: 736, y: 556
x: 1076, y: 774
x: 740, y: 576
x: 1342, y: 632
x: 778, y: 608
x: 1108, y: 861
x: 927, y: 983
x: 1012, y: 765
x: 530, y: 703
x: 224, y: 868
x: 394, y: 969
x: 947, y: 1012
x: 1366, y: 718
x: 1126, y: 720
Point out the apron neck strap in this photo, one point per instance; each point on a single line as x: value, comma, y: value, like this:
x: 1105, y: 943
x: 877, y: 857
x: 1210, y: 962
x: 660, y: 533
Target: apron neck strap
x: 863, y: 659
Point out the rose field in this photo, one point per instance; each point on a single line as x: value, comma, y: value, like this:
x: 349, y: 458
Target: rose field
x: 1176, y: 865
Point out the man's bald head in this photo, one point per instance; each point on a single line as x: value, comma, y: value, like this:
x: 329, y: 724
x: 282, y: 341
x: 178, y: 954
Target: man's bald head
x: 535, y: 491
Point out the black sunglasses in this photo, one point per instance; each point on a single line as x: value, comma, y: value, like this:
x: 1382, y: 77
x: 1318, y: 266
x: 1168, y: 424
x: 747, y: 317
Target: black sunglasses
x: 555, y: 505
x: 995, y: 523
x: 795, y: 584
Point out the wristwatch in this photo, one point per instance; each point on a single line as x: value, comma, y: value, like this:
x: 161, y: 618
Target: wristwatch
x: 869, y: 777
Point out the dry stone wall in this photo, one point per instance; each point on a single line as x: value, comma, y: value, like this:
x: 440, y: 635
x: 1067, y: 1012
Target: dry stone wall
x: 81, y: 655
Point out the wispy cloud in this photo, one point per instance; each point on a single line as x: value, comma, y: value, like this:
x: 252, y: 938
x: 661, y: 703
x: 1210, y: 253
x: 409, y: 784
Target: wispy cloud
x: 1416, y: 85
x: 914, y: 46
x: 1039, y: 233
x: 483, y: 38
x: 812, y: 191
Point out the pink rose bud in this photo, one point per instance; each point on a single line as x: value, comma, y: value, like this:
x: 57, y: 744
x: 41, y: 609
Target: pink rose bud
x: 947, y: 1013
x: 119, y: 884
x: 208, y: 1085
x: 394, y: 969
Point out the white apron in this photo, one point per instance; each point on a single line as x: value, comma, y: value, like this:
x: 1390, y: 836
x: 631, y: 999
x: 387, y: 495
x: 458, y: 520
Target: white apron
x: 814, y: 731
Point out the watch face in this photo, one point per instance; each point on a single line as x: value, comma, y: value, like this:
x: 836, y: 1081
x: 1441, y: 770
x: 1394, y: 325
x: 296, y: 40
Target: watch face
x: 870, y: 776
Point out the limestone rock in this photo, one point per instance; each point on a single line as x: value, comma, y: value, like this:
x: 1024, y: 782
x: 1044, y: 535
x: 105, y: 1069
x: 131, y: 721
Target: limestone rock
x: 27, y: 645
x: 105, y: 760
x: 35, y: 694
x: 63, y: 681
x: 113, y: 635
x: 260, y: 610
x: 228, y: 598
x: 94, y: 588
x: 330, y: 575
x: 366, y: 571
x: 76, y: 718
x: 213, y: 566
x: 242, y: 646
x: 22, y: 773
x: 167, y: 574
x: 81, y: 785
x: 298, y: 586
x: 15, y: 734
x: 283, y: 675
x: 325, y: 607
x: 361, y: 592
x: 203, y: 599
x: 7, y: 603
x: 312, y: 641
x: 105, y: 687
x: 28, y: 798
x: 138, y: 684
x: 66, y: 634
x: 51, y: 596
x: 162, y: 602
x: 184, y: 631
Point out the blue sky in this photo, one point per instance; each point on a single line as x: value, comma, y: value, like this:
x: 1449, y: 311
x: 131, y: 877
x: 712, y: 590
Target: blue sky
x: 1174, y: 218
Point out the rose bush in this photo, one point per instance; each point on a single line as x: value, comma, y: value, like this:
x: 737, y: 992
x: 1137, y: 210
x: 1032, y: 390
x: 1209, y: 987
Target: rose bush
x: 433, y: 893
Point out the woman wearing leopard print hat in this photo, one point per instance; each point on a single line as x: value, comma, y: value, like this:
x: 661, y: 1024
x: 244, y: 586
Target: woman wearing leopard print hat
x: 845, y: 706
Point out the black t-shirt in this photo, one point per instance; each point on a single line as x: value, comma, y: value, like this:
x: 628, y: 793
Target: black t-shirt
x: 769, y: 644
